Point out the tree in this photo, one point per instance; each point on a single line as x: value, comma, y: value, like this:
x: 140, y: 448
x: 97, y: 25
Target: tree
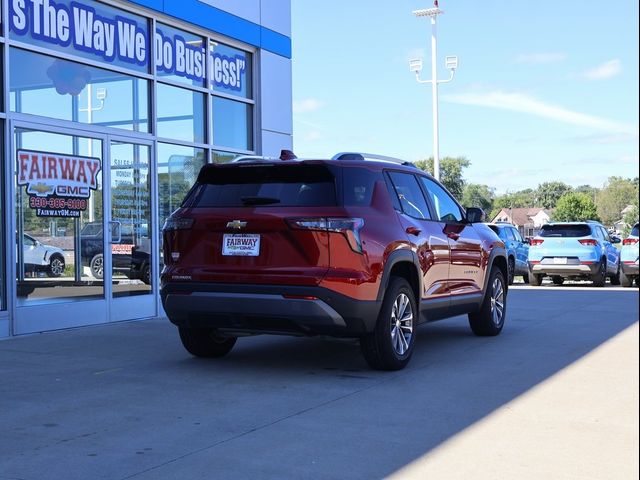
x: 521, y: 199
x: 614, y: 197
x: 475, y: 195
x: 575, y: 207
x: 450, y: 172
x: 548, y: 193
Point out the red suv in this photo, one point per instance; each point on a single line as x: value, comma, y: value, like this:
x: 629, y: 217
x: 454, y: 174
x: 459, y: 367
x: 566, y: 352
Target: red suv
x: 347, y: 247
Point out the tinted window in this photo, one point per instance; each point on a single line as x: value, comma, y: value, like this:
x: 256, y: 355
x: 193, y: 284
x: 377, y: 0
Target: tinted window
x: 411, y: 198
x: 358, y: 185
x: 263, y: 185
x: 495, y: 229
x: 565, y: 231
x: 446, y: 207
x: 634, y: 230
x: 508, y: 234
x: 516, y: 235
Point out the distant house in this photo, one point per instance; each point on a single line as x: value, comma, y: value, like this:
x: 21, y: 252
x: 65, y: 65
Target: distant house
x: 527, y: 220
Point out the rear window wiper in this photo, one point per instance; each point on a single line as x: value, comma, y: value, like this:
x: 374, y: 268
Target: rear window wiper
x: 259, y: 200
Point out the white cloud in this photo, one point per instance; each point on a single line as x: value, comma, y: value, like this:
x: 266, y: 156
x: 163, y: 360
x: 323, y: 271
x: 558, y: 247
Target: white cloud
x: 539, y: 58
x: 605, y: 70
x: 307, y: 105
x: 523, y: 103
x: 607, y: 138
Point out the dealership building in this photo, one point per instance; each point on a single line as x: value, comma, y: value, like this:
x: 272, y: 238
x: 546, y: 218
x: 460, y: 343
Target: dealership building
x: 109, y: 109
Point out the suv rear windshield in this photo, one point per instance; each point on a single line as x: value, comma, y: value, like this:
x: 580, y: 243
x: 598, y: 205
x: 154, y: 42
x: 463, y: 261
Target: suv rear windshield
x: 565, y: 231
x: 263, y: 185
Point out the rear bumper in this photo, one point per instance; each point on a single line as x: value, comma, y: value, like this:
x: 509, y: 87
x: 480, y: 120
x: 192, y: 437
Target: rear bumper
x: 629, y: 268
x: 564, y: 270
x: 246, y: 309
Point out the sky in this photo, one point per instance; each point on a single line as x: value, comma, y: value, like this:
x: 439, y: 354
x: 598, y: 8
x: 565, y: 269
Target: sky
x: 544, y: 91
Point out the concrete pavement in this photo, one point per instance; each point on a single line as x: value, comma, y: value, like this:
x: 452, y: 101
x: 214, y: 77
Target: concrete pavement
x: 554, y: 396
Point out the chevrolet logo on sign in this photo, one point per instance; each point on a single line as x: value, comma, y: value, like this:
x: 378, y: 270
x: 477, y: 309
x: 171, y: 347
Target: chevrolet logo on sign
x: 236, y: 224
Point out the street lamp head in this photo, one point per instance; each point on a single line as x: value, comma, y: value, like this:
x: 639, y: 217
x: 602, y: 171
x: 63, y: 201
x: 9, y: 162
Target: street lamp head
x: 415, y: 65
x: 428, y: 12
x: 101, y: 93
x: 451, y: 62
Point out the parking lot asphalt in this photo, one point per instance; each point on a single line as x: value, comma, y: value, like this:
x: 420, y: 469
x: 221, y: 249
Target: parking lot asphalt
x: 554, y: 396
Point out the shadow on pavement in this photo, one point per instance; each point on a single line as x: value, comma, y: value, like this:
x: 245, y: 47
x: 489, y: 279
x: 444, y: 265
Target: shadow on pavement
x: 127, y: 401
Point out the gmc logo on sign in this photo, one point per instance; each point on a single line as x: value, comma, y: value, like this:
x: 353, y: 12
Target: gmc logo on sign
x: 72, y: 191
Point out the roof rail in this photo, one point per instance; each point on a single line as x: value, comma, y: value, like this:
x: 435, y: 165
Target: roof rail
x: 369, y: 156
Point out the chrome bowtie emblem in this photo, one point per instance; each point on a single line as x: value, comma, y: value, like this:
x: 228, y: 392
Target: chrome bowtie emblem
x: 236, y: 224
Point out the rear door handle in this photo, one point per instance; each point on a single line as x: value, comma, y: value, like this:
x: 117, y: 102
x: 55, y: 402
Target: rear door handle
x: 413, y: 231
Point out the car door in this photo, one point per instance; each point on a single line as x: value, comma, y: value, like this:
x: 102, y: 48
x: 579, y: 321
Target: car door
x: 613, y: 256
x: 31, y: 252
x: 522, y: 251
x: 466, y: 275
x: 430, y: 244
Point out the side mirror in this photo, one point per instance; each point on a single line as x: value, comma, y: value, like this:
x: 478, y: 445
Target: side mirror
x: 475, y: 215
x: 527, y: 241
x: 615, y: 240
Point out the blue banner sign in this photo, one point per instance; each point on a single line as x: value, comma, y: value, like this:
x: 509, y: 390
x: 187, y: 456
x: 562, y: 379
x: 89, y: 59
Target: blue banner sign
x: 120, y: 38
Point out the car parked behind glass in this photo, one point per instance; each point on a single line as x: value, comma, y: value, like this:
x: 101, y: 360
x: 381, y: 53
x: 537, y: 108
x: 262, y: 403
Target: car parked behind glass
x: 574, y: 250
x: 38, y: 257
x: 517, y: 249
x: 629, y: 259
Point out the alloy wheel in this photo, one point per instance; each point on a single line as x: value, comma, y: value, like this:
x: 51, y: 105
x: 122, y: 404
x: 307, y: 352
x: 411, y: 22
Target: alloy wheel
x: 497, y: 302
x: 57, y: 267
x: 401, y: 324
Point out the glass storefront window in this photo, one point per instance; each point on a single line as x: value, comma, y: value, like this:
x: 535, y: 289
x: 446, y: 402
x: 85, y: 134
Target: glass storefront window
x: 178, y: 169
x: 58, y: 207
x: 3, y: 284
x: 56, y: 88
x: 131, y: 252
x: 93, y: 30
x: 232, y: 125
x: 180, y: 55
x: 229, y: 70
x: 181, y: 114
x: 222, y: 157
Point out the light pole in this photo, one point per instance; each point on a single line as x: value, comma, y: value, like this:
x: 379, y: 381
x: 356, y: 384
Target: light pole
x: 101, y: 94
x: 451, y: 62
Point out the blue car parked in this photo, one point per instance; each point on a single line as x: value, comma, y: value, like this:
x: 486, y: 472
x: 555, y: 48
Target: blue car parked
x: 517, y: 249
x: 629, y: 258
x: 574, y: 250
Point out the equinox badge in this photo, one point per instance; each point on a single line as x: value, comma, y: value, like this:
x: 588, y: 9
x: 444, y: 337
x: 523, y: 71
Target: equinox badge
x: 236, y: 224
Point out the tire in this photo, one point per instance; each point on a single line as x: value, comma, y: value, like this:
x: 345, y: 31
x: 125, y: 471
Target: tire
x: 145, y: 275
x: 557, y: 280
x: 97, y: 266
x: 615, y: 279
x: 205, y: 342
x: 390, y: 345
x: 56, y: 266
x: 600, y: 277
x: 525, y: 278
x: 489, y: 320
x: 535, y: 280
x: 511, y: 270
x: 624, y: 280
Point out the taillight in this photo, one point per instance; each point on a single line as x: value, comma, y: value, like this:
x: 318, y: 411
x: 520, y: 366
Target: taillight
x: 589, y: 241
x: 536, y: 241
x: 629, y: 241
x: 178, y: 223
x: 349, y: 227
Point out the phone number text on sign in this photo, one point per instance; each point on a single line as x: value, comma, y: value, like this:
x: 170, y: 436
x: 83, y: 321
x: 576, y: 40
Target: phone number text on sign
x: 55, y: 202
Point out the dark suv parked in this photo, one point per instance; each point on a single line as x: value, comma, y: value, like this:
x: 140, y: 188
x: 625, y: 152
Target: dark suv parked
x: 129, y: 250
x: 345, y: 247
